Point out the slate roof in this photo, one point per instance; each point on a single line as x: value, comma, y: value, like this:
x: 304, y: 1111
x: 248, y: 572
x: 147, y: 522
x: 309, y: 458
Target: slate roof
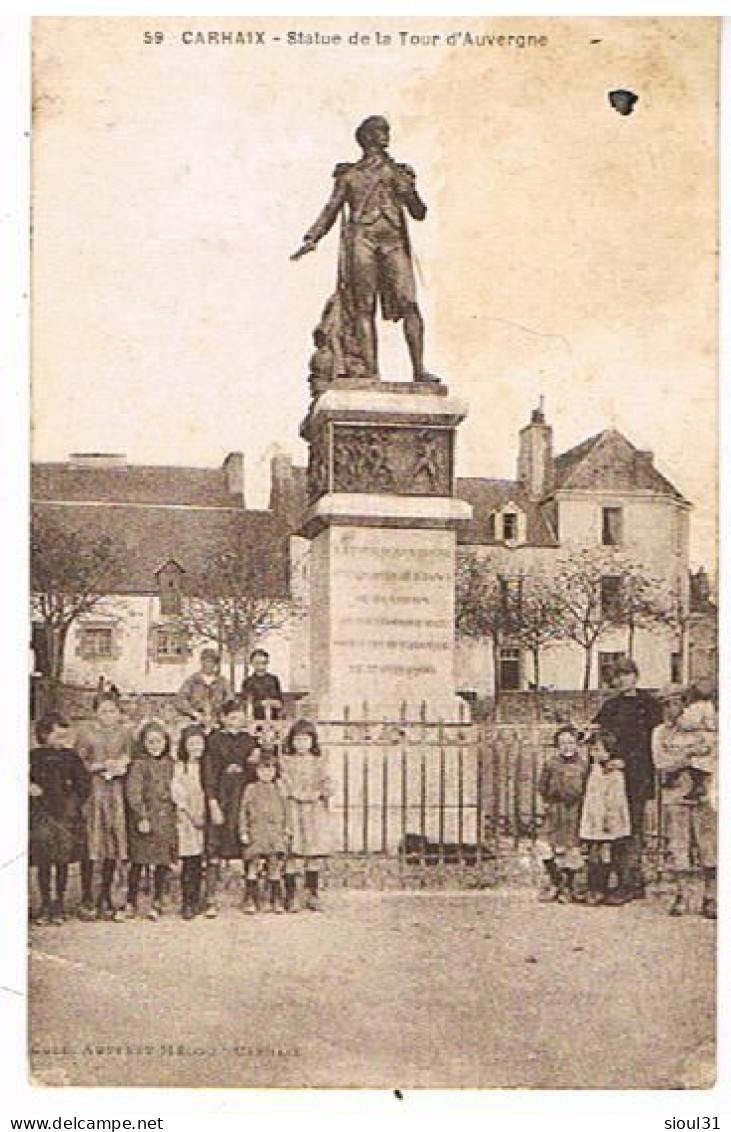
x: 145, y: 538
x: 628, y: 468
x: 156, y: 513
x: 133, y: 483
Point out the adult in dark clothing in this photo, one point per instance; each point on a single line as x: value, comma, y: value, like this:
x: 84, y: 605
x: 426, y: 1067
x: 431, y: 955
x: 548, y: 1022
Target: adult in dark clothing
x: 631, y: 716
x: 59, y: 787
x: 261, y: 691
x: 225, y: 773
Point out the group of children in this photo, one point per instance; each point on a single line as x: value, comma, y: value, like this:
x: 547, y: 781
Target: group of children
x: 222, y: 795
x: 586, y: 805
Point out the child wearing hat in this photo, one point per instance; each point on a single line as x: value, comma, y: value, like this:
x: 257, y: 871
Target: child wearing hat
x: 264, y: 832
x: 203, y: 694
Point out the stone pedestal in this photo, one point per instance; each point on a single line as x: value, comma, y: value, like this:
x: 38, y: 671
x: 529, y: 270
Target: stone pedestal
x: 382, y: 521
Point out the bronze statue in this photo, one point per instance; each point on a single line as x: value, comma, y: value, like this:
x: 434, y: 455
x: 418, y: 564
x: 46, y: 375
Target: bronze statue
x: 375, y: 261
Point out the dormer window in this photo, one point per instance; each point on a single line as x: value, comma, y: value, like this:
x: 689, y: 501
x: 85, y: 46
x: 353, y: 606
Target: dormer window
x: 169, y: 583
x: 508, y: 525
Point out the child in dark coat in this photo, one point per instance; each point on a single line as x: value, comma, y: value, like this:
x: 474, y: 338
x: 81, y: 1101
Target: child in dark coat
x: 561, y: 786
x: 263, y: 831
x: 153, y: 833
x: 225, y: 772
x: 261, y: 690
x: 59, y: 787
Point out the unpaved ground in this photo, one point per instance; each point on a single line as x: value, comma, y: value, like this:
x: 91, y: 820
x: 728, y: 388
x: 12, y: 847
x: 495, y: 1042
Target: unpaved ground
x: 383, y: 989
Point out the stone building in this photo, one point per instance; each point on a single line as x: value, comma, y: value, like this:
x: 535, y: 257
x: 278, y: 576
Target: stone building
x: 170, y: 521
x: 167, y: 525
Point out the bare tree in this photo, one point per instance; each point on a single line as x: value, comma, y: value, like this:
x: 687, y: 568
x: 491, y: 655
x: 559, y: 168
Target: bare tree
x: 645, y: 602
x: 71, y: 576
x: 241, y: 596
x: 538, y: 623
x: 480, y: 606
x: 598, y: 590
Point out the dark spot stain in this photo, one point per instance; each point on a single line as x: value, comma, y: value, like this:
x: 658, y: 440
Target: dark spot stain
x: 592, y: 41
x: 531, y: 959
x: 398, y: 1094
x: 623, y: 101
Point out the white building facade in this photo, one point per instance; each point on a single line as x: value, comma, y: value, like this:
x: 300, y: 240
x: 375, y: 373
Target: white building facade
x: 168, y: 523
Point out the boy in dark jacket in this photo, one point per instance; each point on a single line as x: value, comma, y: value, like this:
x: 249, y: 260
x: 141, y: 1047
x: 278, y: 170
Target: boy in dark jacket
x: 261, y: 691
x: 59, y: 787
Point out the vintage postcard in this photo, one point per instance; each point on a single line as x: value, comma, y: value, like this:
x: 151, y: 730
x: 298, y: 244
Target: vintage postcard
x: 373, y: 551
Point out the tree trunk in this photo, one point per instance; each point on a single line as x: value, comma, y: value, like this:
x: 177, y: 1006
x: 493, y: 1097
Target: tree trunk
x: 588, y: 656
x: 57, y: 648
x: 496, y: 672
x: 631, y: 639
x: 536, y: 652
x: 684, y: 658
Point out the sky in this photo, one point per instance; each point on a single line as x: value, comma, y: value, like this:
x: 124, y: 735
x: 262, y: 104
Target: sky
x: 568, y: 251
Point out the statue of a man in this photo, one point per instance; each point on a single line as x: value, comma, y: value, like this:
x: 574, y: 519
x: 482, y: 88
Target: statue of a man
x: 375, y: 257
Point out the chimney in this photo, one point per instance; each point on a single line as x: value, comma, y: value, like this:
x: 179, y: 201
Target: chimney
x: 535, y: 455
x: 642, y: 462
x: 282, y: 479
x: 98, y: 459
x: 701, y: 586
x: 233, y: 470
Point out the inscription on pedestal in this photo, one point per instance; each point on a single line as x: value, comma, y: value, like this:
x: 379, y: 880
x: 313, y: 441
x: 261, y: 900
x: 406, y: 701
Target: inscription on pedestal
x: 391, y: 615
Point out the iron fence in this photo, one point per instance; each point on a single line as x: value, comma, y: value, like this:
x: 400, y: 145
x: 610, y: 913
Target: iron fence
x: 445, y: 792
